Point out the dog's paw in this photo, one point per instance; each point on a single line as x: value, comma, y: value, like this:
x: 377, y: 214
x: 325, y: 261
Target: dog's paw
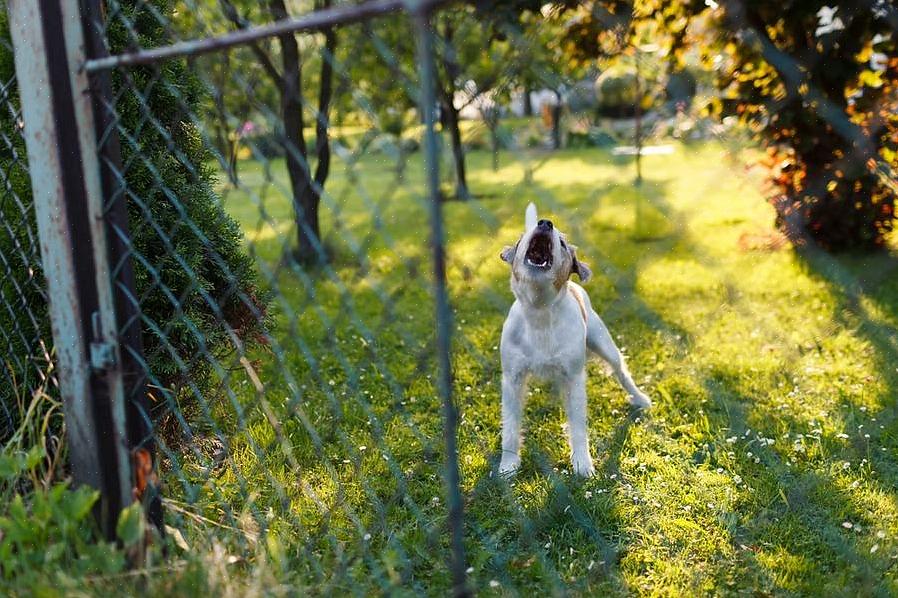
x: 640, y: 400
x: 582, y: 466
x: 509, y: 465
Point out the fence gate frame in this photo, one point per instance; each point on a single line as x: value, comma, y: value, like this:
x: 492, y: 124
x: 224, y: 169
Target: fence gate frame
x: 60, y: 131
x: 63, y: 72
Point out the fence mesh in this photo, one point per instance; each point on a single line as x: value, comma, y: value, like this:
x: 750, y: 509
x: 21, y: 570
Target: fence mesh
x: 284, y: 286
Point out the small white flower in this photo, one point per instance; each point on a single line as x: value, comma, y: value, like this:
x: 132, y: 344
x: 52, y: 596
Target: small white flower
x: 494, y: 583
x: 587, y: 494
x: 469, y: 570
x: 874, y: 548
x: 366, y: 537
x: 847, y: 524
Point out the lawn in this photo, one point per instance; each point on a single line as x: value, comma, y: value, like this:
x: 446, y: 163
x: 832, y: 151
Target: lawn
x: 768, y: 464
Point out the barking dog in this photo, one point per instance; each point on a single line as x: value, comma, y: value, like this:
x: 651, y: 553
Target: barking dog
x: 547, y: 333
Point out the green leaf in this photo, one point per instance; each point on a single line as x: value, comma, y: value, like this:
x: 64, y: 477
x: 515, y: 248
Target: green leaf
x: 34, y: 456
x: 131, y: 524
x: 10, y: 466
x: 81, y: 502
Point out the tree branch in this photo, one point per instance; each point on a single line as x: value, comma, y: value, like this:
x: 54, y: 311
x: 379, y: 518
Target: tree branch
x: 230, y: 12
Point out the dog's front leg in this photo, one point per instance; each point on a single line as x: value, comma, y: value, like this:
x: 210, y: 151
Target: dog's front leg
x: 574, y: 390
x: 512, y: 410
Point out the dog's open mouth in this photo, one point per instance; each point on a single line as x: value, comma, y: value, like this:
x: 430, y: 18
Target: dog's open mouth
x: 539, y: 251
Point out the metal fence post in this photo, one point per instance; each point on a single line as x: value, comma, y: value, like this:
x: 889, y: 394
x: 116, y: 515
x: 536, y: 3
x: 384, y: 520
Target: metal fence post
x: 427, y: 98
x: 65, y: 178
x: 128, y: 314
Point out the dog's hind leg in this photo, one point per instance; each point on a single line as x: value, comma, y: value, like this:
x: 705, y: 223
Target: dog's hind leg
x: 599, y: 341
x: 512, y: 411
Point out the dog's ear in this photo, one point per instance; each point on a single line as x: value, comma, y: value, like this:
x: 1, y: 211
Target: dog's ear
x: 508, y: 252
x: 579, y: 268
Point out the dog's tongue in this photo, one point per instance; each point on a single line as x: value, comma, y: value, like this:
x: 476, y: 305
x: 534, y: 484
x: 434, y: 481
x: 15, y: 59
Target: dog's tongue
x: 539, y: 252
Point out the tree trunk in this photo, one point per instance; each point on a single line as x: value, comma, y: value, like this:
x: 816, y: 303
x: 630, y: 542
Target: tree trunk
x: 494, y: 139
x: 458, y: 150
x: 528, y: 103
x: 556, y: 122
x: 312, y: 200
x: 490, y: 118
x: 233, y: 148
x: 305, y: 209
x: 448, y: 112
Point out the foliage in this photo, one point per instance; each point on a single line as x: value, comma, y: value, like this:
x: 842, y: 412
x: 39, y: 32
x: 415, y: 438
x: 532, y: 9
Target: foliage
x: 680, y: 88
x: 821, y: 94
x: 616, y: 92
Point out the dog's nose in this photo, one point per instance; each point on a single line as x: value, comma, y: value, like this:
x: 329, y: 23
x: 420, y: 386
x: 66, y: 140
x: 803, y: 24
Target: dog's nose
x: 544, y: 225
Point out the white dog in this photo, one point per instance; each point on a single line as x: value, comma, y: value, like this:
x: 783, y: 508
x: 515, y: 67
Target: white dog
x: 547, y: 333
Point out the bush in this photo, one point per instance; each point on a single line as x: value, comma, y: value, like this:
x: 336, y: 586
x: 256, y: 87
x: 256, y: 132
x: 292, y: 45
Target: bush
x: 616, y: 92
x: 480, y: 138
x: 172, y: 189
x: 825, y: 105
x: 593, y: 137
x: 680, y: 88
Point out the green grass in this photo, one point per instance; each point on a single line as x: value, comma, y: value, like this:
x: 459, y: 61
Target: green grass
x: 774, y: 377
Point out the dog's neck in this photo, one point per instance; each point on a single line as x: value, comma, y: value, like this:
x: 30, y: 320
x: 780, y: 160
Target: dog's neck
x: 538, y: 299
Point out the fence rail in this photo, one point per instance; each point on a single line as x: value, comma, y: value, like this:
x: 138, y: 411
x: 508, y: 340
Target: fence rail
x: 106, y: 378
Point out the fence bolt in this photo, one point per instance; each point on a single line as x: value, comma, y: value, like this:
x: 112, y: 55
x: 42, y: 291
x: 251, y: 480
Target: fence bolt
x: 102, y: 354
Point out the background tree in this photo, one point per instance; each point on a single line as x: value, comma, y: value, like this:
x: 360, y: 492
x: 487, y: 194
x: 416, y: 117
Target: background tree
x: 167, y: 176
x: 818, y: 86
x: 306, y: 185
x: 815, y: 84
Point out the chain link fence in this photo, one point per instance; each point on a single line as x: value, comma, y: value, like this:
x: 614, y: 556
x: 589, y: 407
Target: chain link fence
x: 298, y: 352
x: 24, y: 331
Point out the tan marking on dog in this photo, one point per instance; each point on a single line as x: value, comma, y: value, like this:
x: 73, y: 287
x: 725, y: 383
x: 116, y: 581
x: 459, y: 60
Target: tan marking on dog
x: 579, y: 298
x: 563, y: 273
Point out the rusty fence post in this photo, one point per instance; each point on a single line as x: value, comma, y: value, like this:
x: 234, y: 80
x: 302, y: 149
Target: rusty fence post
x: 60, y: 137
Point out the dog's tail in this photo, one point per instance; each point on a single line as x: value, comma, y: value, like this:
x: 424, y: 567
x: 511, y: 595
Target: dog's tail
x: 530, y: 216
